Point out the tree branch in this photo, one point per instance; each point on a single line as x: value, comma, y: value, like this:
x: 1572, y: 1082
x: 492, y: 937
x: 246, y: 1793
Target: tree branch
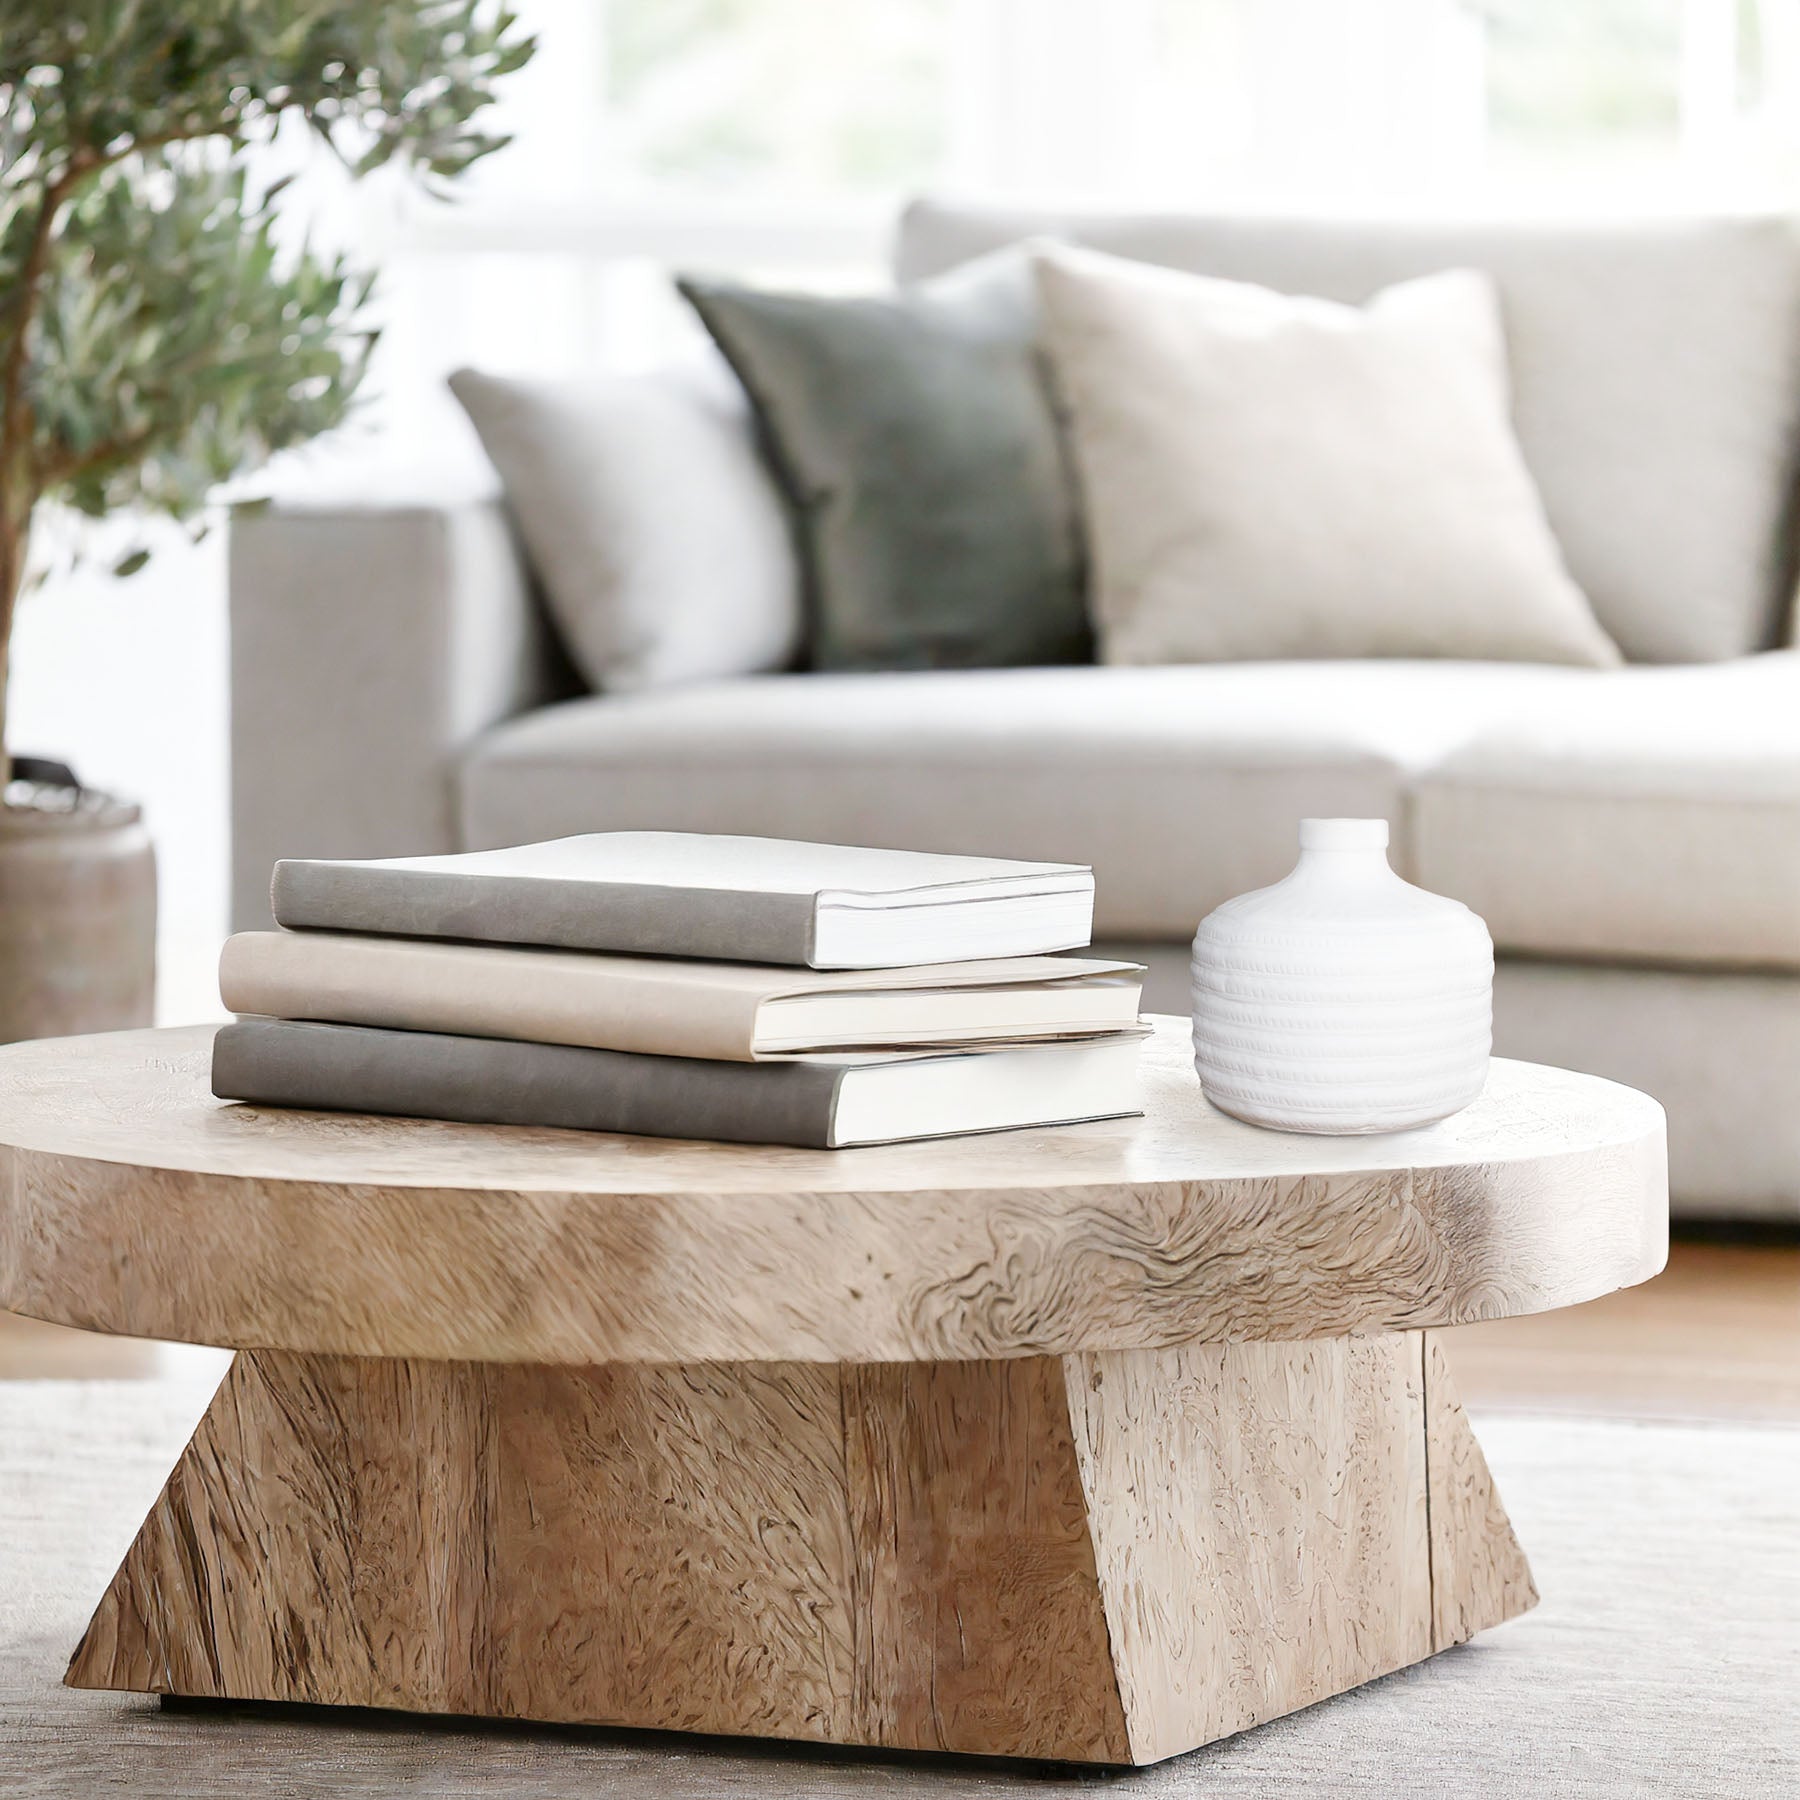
x: 82, y: 164
x: 12, y: 378
x: 97, y: 455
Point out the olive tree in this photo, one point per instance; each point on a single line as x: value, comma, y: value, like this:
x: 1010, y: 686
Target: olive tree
x: 155, y: 337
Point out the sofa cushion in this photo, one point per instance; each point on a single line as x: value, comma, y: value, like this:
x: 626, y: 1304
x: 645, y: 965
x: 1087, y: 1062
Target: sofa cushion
x: 1275, y: 477
x: 1181, y: 786
x: 1656, y: 381
x: 657, y: 534
x: 915, y: 441
x: 1654, y: 816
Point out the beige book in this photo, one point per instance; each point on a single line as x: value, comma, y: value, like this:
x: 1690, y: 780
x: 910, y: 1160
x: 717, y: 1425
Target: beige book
x: 720, y: 1011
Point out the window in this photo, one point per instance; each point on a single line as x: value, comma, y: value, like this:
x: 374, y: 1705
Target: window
x: 791, y: 105
x: 784, y: 96
x: 775, y: 138
x: 1639, y: 98
x: 683, y: 100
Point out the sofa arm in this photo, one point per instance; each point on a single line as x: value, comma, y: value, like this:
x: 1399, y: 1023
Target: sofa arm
x: 368, y: 645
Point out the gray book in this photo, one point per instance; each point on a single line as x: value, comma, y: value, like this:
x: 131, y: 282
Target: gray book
x: 820, y: 1103
x: 733, y: 899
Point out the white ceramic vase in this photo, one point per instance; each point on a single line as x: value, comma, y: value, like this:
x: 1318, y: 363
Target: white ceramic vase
x: 1342, y: 999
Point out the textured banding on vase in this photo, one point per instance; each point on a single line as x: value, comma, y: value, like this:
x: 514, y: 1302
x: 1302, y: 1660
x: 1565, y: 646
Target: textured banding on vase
x: 1342, y: 999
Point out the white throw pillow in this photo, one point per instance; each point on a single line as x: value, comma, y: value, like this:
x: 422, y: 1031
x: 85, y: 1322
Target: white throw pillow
x: 1273, y: 477
x: 657, y: 533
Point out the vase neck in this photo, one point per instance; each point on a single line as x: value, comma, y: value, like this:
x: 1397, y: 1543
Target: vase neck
x: 1344, y: 851
x: 1362, y: 867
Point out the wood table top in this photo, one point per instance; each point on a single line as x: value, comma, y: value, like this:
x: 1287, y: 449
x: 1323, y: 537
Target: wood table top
x: 137, y: 1203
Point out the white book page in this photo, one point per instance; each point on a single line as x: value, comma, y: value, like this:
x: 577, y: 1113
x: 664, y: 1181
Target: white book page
x: 677, y: 859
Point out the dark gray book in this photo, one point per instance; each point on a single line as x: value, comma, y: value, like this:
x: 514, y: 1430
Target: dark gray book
x: 821, y: 1103
x: 732, y: 899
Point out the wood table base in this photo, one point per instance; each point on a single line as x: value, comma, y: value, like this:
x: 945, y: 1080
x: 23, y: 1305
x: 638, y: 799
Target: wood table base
x: 1109, y: 1557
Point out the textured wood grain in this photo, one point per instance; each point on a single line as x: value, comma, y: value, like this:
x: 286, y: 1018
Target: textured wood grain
x: 891, y: 1556
x: 132, y: 1202
x: 311, y: 1544
x: 1109, y: 1557
x: 1479, y: 1574
x: 976, y: 1593
x: 1259, y: 1516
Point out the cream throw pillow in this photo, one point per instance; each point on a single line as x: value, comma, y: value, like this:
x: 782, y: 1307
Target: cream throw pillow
x: 1272, y: 477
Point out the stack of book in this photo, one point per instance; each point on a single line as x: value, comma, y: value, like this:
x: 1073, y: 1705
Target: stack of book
x: 682, y: 985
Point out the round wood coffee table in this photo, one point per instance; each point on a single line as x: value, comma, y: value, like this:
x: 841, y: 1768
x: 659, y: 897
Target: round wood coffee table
x: 1093, y: 1443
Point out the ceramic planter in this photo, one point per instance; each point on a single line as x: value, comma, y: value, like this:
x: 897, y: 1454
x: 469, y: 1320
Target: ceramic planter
x: 77, y: 914
x: 1342, y: 999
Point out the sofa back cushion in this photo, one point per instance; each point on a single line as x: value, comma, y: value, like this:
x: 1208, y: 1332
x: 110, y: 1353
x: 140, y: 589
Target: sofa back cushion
x: 914, y: 437
x: 1274, y: 477
x: 655, y: 531
x: 1656, y: 381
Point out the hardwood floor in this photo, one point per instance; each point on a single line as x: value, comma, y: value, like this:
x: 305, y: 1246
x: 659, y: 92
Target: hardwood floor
x: 1717, y: 1335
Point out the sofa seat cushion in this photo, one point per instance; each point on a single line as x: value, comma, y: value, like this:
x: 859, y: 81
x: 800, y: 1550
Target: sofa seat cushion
x: 1181, y: 786
x: 1656, y: 818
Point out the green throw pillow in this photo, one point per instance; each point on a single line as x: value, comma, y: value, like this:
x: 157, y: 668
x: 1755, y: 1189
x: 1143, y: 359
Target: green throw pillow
x: 914, y: 438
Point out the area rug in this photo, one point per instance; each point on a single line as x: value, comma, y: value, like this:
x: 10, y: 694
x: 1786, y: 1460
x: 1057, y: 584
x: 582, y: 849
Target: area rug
x: 1664, y: 1659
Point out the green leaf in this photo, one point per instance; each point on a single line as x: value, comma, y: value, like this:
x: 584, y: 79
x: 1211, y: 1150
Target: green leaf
x: 155, y: 338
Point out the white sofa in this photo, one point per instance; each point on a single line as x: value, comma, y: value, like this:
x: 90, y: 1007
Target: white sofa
x: 1631, y: 836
